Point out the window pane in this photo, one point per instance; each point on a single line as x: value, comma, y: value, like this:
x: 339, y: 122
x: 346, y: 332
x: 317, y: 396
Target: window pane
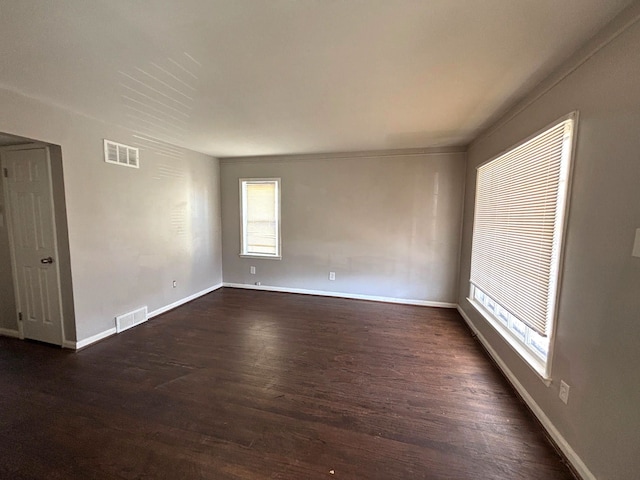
x: 502, y: 315
x: 539, y: 344
x: 260, y: 217
x: 517, y: 327
x: 479, y: 295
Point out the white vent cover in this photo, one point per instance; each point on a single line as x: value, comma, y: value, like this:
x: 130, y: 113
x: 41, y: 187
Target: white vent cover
x: 121, y: 154
x: 131, y: 319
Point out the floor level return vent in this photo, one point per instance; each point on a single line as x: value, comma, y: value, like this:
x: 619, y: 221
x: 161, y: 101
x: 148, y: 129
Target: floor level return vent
x: 131, y: 319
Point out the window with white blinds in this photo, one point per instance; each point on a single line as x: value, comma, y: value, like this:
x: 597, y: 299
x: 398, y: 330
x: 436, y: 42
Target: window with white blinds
x: 520, y: 205
x: 260, y: 222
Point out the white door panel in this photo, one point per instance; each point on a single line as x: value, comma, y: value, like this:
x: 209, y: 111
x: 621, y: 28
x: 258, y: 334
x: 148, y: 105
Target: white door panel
x: 28, y: 186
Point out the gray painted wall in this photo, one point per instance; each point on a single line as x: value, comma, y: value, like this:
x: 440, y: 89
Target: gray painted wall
x: 131, y: 232
x: 7, y: 297
x: 388, y: 226
x: 62, y: 237
x: 597, y: 346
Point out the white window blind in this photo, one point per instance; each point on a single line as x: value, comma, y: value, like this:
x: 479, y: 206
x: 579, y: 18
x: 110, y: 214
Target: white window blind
x: 517, y: 231
x: 260, y: 217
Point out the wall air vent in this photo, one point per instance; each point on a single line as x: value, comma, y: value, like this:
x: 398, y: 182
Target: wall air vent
x: 121, y: 154
x: 131, y: 319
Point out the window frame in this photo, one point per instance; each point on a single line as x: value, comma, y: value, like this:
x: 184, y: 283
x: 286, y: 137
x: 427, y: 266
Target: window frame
x: 243, y: 217
x: 528, y: 353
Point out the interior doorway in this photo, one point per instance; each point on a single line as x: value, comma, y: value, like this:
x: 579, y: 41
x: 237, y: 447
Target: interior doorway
x: 33, y: 228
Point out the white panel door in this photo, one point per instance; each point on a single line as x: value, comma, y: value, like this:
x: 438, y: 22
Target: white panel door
x: 28, y: 187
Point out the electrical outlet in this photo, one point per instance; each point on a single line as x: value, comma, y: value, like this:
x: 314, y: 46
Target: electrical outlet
x: 174, y: 284
x: 252, y: 269
x: 564, y: 392
x: 332, y: 275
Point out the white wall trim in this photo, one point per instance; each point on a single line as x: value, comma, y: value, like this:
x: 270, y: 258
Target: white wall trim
x: 8, y: 332
x: 88, y: 341
x: 569, y: 453
x: 182, y: 301
x: 112, y: 331
x: 402, y: 152
x: 356, y: 296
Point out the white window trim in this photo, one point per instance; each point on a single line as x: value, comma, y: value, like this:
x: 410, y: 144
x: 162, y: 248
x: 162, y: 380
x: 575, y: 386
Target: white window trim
x: 542, y: 369
x: 242, y: 212
x: 531, y: 359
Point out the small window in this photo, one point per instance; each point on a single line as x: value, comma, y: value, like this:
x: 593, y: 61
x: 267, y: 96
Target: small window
x: 260, y: 217
x: 520, y: 205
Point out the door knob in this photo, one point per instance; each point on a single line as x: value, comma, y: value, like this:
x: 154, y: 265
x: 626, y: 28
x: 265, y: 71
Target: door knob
x: 46, y: 260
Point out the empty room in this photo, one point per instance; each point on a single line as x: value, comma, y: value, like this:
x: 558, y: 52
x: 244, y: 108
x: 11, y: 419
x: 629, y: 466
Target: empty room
x: 305, y: 239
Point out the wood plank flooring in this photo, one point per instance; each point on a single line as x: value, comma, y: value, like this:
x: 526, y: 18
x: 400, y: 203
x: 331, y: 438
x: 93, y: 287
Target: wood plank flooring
x: 242, y: 384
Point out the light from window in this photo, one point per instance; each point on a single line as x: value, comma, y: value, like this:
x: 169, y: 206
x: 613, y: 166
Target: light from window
x: 260, y: 222
x: 520, y: 205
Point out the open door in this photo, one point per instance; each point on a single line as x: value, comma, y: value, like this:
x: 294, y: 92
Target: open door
x: 28, y: 190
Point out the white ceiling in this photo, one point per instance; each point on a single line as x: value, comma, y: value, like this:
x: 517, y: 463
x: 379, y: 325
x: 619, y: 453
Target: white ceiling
x: 256, y: 77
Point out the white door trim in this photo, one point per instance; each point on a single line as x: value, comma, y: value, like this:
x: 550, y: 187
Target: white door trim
x: 9, y: 213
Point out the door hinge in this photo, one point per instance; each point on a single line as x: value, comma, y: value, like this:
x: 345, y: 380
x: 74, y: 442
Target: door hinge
x: 6, y: 172
x: 20, y: 316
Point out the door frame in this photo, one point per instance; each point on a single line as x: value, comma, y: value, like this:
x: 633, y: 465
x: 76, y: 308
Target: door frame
x: 10, y: 215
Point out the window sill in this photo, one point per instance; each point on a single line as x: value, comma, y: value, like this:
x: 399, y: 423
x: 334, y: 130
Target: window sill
x: 539, y: 368
x: 256, y: 255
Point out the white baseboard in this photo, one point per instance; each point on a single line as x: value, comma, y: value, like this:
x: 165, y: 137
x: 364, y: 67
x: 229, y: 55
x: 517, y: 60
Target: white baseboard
x: 88, y: 341
x: 111, y: 331
x: 356, y: 296
x: 182, y: 301
x: 569, y: 453
x: 7, y: 332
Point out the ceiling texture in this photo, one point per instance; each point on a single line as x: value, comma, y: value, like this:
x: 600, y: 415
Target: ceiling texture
x: 263, y: 77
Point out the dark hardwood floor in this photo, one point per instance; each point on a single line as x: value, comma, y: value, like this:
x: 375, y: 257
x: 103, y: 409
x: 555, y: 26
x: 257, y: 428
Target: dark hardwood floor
x: 242, y: 384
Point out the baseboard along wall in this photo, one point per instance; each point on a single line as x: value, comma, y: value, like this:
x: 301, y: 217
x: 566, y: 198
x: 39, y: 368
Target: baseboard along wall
x: 355, y: 296
x: 568, y: 452
x: 8, y: 332
x: 182, y: 301
x: 112, y: 331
